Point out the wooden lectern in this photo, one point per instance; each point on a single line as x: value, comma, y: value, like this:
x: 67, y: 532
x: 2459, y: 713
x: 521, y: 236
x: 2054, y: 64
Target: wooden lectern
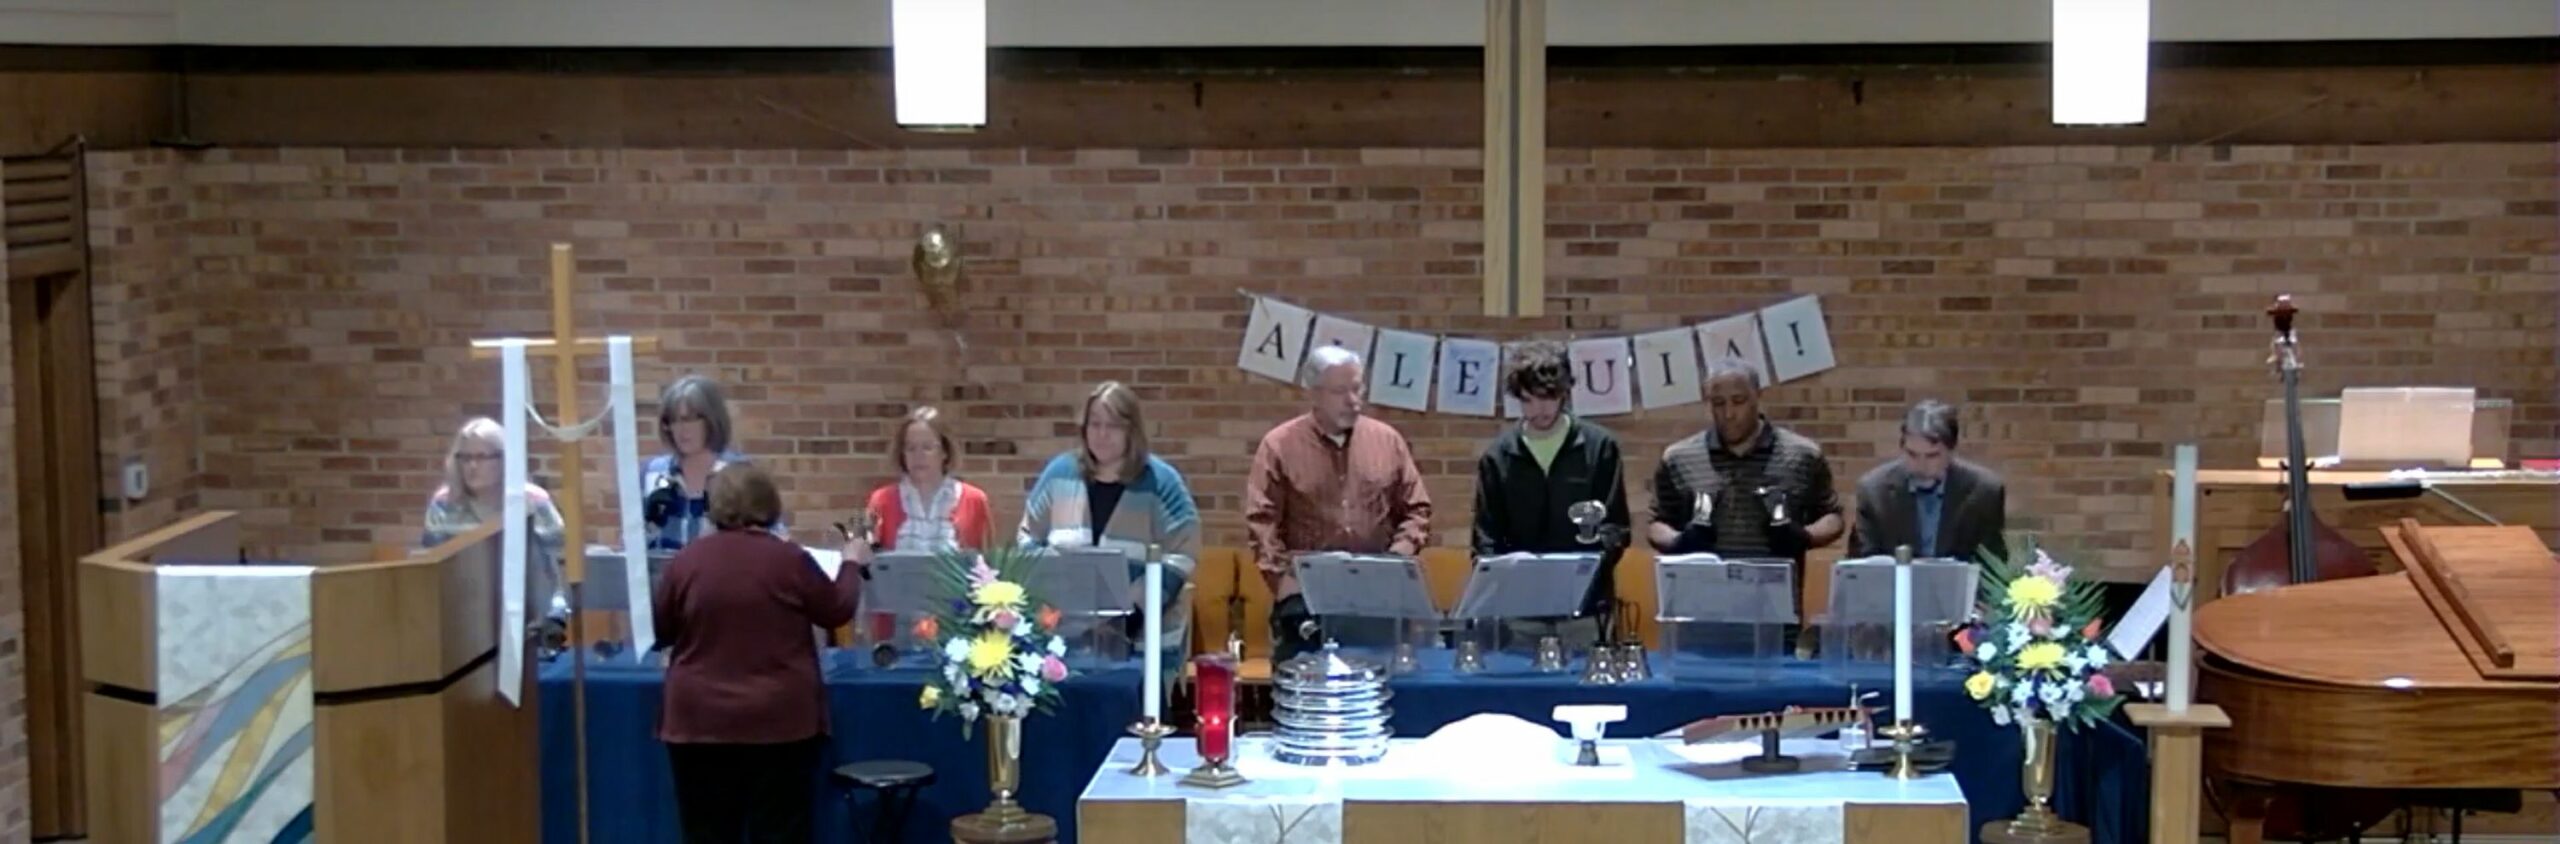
x: 405, y: 734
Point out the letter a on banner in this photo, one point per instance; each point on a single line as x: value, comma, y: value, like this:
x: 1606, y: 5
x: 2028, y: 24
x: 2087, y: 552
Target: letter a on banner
x: 1601, y: 382
x: 1275, y: 340
x: 1400, y: 375
x: 1736, y: 336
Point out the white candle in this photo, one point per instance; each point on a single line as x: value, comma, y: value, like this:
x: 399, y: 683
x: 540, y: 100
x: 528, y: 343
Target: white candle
x: 1902, y: 638
x: 2182, y: 539
x: 1155, y: 640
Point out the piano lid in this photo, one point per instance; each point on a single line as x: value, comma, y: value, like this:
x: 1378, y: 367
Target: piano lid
x: 2475, y: 608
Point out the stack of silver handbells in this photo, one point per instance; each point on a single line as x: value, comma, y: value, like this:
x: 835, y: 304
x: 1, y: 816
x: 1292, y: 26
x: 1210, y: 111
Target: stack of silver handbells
x: 1331, y: 710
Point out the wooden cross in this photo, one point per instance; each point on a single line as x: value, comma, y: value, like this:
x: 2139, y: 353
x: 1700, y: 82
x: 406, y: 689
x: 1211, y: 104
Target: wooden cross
x: 564, y: 347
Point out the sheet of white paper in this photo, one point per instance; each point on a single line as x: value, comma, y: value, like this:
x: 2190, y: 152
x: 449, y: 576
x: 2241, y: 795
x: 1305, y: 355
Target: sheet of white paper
x: 2133, y: 632
x: 829, y: 560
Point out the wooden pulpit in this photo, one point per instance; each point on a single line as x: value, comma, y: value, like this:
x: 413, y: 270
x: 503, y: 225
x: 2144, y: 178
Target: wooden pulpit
x: 238, y: 701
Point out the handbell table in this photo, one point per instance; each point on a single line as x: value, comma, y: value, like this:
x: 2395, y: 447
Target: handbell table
x: 1646, y: 792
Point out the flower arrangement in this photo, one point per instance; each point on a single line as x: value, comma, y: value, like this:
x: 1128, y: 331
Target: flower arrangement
x: 2035, y: 643
x: 1000, y: 655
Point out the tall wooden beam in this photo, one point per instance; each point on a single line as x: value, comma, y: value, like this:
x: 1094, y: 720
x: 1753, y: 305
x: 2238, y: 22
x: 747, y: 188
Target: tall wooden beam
x: 1515, y: 157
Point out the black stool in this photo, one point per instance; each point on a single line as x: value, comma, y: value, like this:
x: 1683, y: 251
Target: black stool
x: 897, y: 780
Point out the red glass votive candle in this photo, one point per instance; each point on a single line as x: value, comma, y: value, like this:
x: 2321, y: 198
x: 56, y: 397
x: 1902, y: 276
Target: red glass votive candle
x: 1214, y: 683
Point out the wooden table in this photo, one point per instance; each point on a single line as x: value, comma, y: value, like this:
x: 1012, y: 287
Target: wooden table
x: 2235, y: 506
x: 1656, y: 791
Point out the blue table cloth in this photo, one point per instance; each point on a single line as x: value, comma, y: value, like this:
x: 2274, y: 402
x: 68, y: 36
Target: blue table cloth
x: 2103, y: 774
x: 631, y: 791
x: 2103, y: 783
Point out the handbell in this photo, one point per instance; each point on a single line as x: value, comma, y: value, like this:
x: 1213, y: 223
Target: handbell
x: 1550, y: 655
x: 1470, y: 657
x: 1586, y: 517
x: 1631, y: 663
x: 1603, y: 667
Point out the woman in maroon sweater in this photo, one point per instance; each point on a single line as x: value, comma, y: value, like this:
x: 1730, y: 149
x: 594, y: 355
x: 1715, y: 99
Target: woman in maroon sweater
x: 745, y: 715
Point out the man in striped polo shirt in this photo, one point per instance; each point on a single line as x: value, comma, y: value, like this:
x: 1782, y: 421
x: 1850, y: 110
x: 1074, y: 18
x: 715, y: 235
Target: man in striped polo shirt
x: 1744, y: 487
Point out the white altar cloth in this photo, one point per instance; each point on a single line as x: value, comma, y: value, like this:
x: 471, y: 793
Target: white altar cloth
x: 1721, y: 802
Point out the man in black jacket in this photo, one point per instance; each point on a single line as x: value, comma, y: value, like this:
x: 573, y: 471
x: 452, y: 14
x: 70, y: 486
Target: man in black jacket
x: 1533, y: 473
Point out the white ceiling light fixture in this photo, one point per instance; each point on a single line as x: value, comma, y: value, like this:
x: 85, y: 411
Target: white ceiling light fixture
x: 939, y: 51
x: 2101, y: 62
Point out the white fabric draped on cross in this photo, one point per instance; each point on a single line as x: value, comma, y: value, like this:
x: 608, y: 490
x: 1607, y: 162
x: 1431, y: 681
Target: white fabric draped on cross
x: 517, y: 409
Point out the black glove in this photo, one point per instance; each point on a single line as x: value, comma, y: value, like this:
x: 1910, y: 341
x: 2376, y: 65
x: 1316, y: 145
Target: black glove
x: 1293, y: 629
x: 1789, y: 539
x: 1695, y: 539
x: 660, y: 504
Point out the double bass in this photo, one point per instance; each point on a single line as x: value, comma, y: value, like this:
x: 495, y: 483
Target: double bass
x: 2351, y: 693
x: 2300, y: 548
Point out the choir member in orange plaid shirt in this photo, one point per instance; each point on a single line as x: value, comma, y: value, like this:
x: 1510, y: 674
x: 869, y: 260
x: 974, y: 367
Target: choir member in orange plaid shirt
x: 1331, y: 480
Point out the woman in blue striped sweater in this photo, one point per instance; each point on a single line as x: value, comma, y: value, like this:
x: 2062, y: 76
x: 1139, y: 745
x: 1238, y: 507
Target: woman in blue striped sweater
x: 1110, y: 492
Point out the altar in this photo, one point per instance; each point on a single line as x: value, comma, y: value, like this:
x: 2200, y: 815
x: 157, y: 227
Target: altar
x: 1645, y: 791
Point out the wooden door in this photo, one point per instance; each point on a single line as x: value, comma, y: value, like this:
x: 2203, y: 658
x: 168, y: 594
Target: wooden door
x: 57, y: 497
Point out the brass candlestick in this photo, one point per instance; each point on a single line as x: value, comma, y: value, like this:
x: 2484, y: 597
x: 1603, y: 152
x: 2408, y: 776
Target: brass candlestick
x: 1150, y: 733
x: 1213, y: 773
x: 1904, y: 735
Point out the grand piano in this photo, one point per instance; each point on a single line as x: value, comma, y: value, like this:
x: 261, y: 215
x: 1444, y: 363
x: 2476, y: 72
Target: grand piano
x: 2348, y: 697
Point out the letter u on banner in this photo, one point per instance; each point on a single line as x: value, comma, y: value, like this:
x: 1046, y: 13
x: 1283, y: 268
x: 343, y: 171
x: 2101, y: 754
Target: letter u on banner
x: 1601, y: 382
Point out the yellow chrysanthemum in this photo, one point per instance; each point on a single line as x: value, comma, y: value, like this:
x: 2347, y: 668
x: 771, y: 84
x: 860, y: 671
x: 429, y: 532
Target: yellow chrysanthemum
x: 932, y: 696
x: 2041, y: 656
x: 991, y: 655
x: 1978, y: 685
x: 998, y: 595
x: 2033, y: 593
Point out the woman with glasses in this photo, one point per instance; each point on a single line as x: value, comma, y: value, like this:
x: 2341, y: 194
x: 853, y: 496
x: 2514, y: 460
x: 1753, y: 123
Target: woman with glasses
x: 693, y: 422
x: 473, y: 494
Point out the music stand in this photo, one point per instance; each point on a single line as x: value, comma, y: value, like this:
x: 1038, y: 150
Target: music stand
x: 1857, y: 628
x: 1717, y: 612
x: 1370, y: 604
x: 606, y: 592
x: 900, y: 594
x: 1522, y: 586
x: 1090, y: 587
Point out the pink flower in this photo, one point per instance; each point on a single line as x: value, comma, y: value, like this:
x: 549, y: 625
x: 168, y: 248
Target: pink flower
x: 1004, y: 619
x: 980, y: 574
x: 2100, y: 686
x: 2041, y: 626
x: 2048, y: 568
x: 1052, y: 669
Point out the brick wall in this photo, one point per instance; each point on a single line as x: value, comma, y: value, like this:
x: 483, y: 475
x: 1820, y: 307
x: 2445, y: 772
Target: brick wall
x: 144, y: 318
x: 13, y: 617
x: 2085, y: 305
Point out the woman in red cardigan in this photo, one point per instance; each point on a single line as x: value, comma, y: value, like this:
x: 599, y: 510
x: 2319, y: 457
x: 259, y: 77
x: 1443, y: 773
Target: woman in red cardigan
x: 927, y: 510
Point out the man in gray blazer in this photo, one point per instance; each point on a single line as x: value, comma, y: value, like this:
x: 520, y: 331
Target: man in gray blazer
x: 1939, y: 504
